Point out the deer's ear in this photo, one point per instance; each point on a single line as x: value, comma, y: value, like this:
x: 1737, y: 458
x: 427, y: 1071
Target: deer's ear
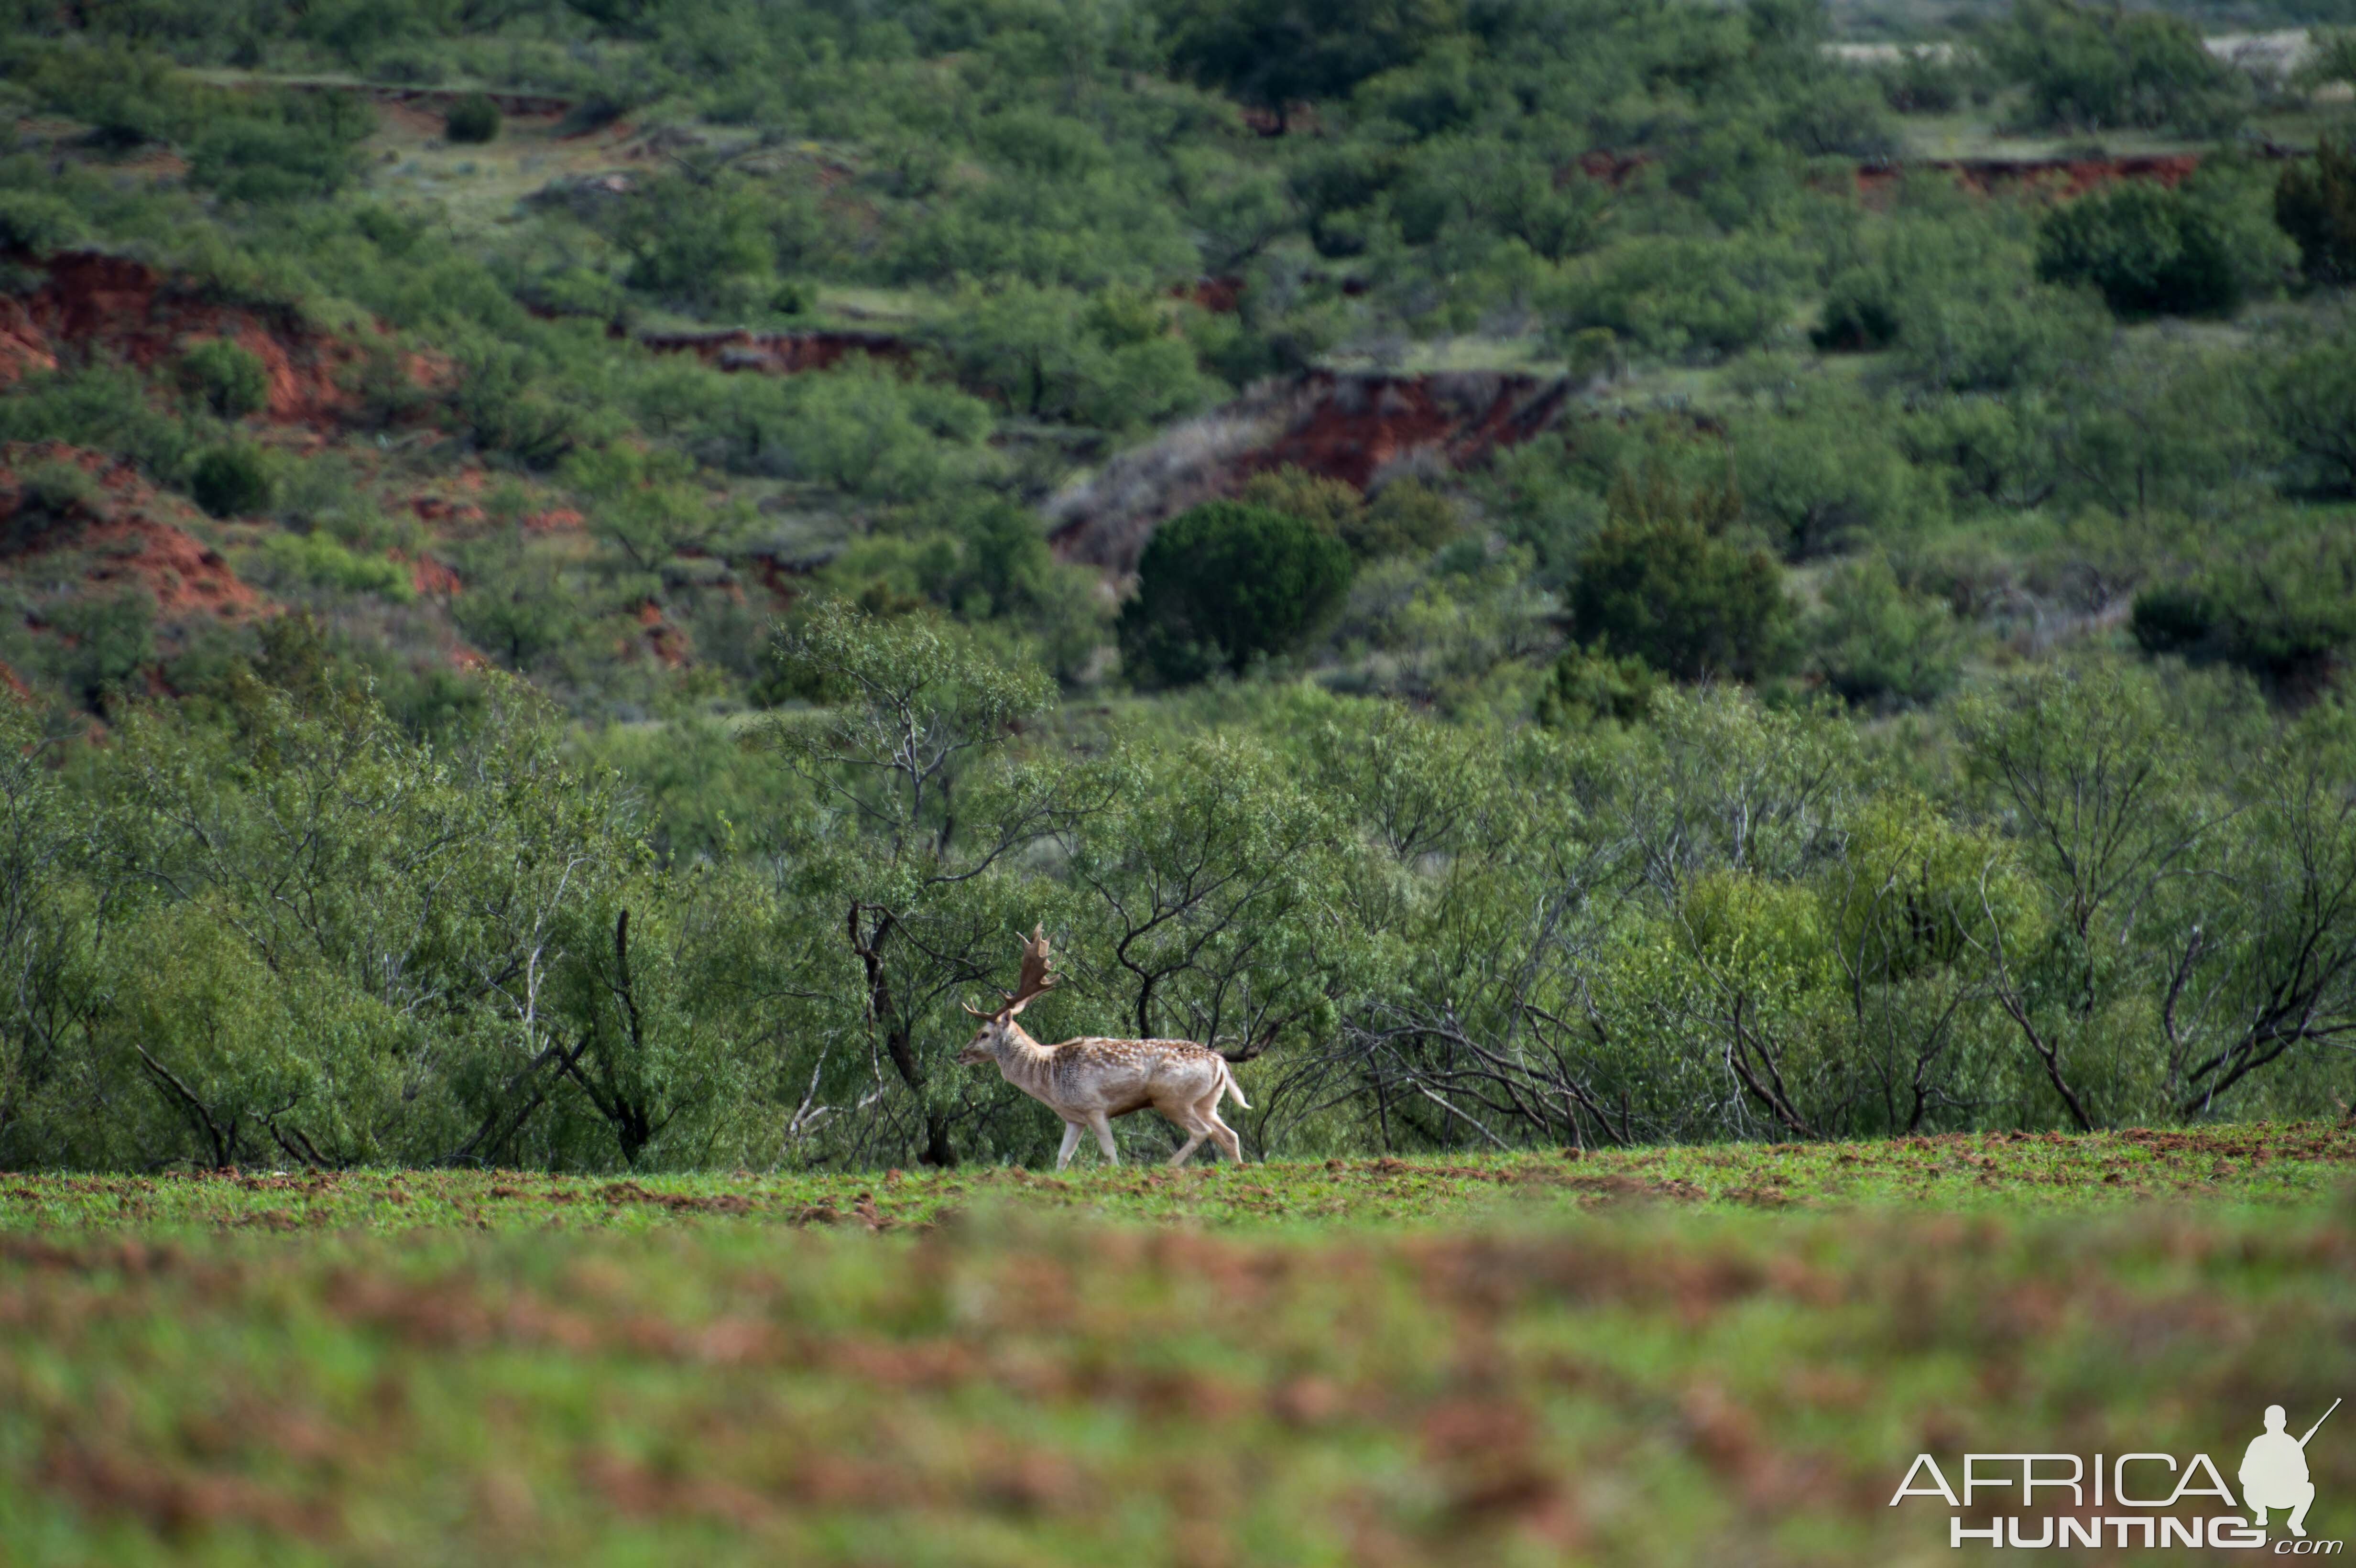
x: 1015, y: 1007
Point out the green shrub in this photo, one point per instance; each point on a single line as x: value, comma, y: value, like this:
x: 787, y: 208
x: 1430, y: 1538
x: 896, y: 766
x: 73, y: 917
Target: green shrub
x: 1587, y: 686
x: 2174, y: 618
x: 1052, y: 352
x: 1877, y: 645
x: 519, y: 606
x: 2316, y: 205
x: 2283, y: 610
x: 104, y: 643
x: 267, y: 160
x: 1227, y: 583
x: 861, y: 427
x: 1683, y: 598
x: 231, y: 481
x: 706, y: 244
x: 1329, y: 505
x: 36, y: 223
x: 474, y: 118
x: 2149, y: 251
x: 1823, y: 470
x: 128, y: 96
x: 2094, y: 69
x: 230, y: 379
x: 1859, y: 314
x: 48, y: 493
x: 103, y: 407
x: 318, y: 559
x: 1999, y: 341
x: 1951, y: 289
x: 1405, y: 516
x: 1681, y: 298
x: 57, y: 488
x: 2311, y: 397
x: 1273, y: 56
x: 505, y: 405
x: 1923, y: 81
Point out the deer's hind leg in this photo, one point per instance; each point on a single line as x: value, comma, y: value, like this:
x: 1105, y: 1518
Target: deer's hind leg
x: 1189, y: 1119
x: 1217, y: 1130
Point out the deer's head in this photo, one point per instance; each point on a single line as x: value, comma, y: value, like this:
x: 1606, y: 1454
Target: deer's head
x: 997, y: 1028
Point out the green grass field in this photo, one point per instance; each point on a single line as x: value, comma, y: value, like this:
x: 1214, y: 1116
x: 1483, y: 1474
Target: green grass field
x: 1672, y: 1356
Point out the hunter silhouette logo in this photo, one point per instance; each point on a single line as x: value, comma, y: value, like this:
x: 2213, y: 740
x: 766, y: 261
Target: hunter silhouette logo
x: 2273, y: 1471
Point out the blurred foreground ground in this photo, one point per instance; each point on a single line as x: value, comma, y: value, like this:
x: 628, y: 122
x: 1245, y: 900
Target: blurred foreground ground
x: 1659, y: 1357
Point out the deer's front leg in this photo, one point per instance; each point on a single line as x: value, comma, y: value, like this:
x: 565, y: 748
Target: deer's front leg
x: 1103, y: 1124
x: 1071, y: 1142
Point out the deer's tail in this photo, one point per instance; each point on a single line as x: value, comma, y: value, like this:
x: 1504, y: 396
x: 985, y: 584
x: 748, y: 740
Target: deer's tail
x: 1228, y: 1080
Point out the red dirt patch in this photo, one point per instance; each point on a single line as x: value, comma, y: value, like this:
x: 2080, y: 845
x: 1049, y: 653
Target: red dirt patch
x: 781, y: 578
x: 130, y: 544
x: 2061, y: 178
x: 665, y: 640
x: 438, y: 509
x: 115, y: 306
x: 1219, y: 296
x: 1605, y: 168
x: 429, y: 577
x: 1343, y: 425
x: 1359, y: 424
x: 186, y: 576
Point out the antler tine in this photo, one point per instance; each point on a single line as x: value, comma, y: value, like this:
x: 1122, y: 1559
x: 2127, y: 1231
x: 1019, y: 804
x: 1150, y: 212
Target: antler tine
x: 1035, y: 976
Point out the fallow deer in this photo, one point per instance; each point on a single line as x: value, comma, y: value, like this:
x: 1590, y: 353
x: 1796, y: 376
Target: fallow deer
x: 1089, y: 1080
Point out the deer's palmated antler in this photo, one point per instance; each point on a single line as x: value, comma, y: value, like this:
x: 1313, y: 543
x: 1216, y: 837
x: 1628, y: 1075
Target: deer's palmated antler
x: 1035, y: 975
x: 1034, y: 979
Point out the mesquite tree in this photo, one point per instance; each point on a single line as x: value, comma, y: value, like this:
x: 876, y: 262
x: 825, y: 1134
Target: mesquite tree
x: 927, y: 815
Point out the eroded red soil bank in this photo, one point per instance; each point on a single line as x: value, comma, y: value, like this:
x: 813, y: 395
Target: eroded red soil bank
x: 91, y: 305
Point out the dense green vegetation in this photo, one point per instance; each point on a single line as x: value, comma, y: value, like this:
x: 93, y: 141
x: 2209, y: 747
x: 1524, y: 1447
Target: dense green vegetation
x: 286, y: 931
x: 1896, y: 691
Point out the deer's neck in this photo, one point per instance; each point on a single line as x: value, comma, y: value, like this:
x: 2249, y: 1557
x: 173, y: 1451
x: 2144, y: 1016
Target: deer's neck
x: 1023, y: 1061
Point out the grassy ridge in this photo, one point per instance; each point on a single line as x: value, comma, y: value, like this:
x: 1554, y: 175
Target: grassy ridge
x: 2296, y: 1163
x: 1671, y: 1356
